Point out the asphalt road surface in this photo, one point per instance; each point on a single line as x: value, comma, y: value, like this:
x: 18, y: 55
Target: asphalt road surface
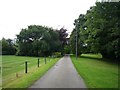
x: 61, y: 75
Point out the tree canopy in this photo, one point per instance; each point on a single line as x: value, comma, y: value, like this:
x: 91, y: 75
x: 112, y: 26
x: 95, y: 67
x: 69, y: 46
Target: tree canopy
x: 98, y: 30
x: 63, y: 39
x: 8, y: 47
x: 38, y: 40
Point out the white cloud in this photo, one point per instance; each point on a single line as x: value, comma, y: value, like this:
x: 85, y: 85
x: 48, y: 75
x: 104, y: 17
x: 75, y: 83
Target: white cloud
x: 17, y: 14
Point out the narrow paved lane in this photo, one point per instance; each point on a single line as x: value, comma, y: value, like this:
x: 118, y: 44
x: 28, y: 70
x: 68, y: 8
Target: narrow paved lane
x: 62, y: 75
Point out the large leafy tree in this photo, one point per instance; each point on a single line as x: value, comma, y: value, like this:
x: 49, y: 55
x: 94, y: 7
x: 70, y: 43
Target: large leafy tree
x: 80, y: 32
x: 37, y: 40
x: 99, y: 30
x: 63, y: 39
x: 102, y: 24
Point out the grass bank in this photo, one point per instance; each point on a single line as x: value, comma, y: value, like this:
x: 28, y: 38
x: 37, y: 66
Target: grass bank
x: 96, y: 72
x: 12, y: 65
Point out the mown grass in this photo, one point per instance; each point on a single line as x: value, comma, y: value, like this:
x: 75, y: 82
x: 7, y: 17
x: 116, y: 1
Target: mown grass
x: 96, y: 72
x: 13, y: 70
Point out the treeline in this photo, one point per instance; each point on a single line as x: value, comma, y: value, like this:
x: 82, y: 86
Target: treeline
x: 36, y: 40
x: 8, y: 47
x: 98, y: 31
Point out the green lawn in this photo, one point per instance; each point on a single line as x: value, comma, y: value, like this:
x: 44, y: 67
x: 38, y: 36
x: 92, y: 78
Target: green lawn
x: 13, y: 70
x: 96, y: 72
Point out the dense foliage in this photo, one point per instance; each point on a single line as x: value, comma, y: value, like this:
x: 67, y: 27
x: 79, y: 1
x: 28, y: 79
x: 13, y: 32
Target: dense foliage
x: 63, y: 39
x: 98, y: 30
x: 8, y: 47
x: 38, y: 40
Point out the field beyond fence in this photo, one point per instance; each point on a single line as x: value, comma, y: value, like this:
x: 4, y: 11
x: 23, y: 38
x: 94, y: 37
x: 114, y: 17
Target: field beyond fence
x: 13, y: 69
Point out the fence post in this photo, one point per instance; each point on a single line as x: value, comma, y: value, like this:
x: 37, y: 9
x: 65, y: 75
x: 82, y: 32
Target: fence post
x: 45, y: 59
x: 38, y: 62
x: 49, y: 58
x: 26, y: 67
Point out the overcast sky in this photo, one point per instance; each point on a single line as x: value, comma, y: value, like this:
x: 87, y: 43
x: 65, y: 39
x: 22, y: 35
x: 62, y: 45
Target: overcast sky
x: 18, y: 14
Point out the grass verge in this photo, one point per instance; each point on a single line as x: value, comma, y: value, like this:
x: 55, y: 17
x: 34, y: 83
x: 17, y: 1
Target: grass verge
x: 26, y: 80
x: 96, y: 72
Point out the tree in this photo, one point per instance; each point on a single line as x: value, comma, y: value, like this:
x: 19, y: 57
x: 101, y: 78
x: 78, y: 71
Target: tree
x: 63, y: 38
x: 79, y: 30
x: 37, y: 40
x: 98, y: 30
x: 8, y: 47
x: 102, y: 25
